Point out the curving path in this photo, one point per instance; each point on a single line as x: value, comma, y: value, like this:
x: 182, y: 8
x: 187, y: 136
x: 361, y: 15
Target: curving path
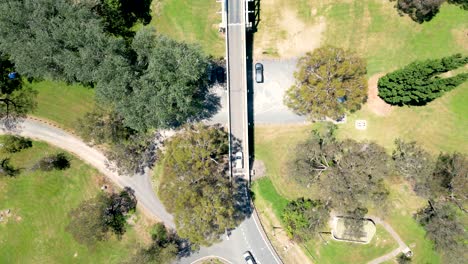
x: 402, y: 247
x: 249, y: 235
x: 141, y: 183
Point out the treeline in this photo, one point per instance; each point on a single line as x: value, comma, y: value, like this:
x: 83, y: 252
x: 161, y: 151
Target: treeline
x: 144, y: 81
x: 424, y: 10
x: 350, y: 176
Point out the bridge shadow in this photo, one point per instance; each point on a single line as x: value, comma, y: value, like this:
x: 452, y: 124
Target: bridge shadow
x: 250, y: 96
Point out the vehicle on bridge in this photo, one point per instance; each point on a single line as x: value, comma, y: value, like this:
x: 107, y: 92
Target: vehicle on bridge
x: 259, y: 73
x: 239, y: 160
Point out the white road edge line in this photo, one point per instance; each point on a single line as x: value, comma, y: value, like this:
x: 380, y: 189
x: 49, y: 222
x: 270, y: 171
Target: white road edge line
x: 260, y: 228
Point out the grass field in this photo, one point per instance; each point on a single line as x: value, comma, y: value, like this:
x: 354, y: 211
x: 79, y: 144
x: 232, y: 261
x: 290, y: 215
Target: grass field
x: 267, y: 197
x: 62, y: 103
x: 336, y: 252
x: 439, y: 126
x: 372, y: 28
x: 191, y: 21
x: 273, y: 146
x: 40, y: 202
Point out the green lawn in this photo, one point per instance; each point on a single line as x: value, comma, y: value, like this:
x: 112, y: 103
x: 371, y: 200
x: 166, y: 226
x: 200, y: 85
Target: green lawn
x: 266, y: 197
x: 274, y: 145
x: 336, y: 252
x: 40, y: 202
x: 191, y: 21
x: 372, y: 28
x: 62, y: 103
x: 439, y: 126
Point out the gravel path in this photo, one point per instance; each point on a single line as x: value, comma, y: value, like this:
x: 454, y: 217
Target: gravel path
x: 141, y: 183
x: 402, y: 247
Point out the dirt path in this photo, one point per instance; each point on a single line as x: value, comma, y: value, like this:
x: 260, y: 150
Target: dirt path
x: 375, y: 103
x: 402, y: 247
x: 141, y: 183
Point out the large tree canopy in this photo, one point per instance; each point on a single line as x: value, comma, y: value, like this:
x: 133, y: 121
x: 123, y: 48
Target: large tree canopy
x: 194, y: 185
x: 329, y: 82
x: 419, y: 83
x: 166, y: 87
x: 16, y: 98
x: 419, y: 10
x: 347, y: 173
x: 304, y: 218
x: 60, y: 39
x: 444, y: 225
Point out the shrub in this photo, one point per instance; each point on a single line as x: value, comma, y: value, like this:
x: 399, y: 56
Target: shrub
x: 58, y: 161
x: 6, y: 169
x: 12, y: 144
x: 419, y: 82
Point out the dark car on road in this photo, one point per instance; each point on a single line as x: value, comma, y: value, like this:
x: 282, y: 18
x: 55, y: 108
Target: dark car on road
x: 259, y: 72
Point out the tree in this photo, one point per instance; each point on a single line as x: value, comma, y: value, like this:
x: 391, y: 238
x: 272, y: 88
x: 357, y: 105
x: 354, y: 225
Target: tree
x: 354, y: 223
x: 450, y: 177
x: 347, y: 173
x: 444, y: 226
x: 413, y: 163
x: 118, y: 206
x: 304, y: 218
x: 92, y: 220
x: 13, y: 144
x: 16, y: 99
x: 103, y: 126
x: 6, y: 169
x: 119, y: 16
x: 57, y: 39
x: 58, y: 161
x: 87, y: 225
x: 419, y: 10
x: 163, y: 249
x: 418, y: 83
x: 462, y: 3
x: 329, y: 82
x: 134, y: 154
x: 194, y: 184
x: 166, y: 86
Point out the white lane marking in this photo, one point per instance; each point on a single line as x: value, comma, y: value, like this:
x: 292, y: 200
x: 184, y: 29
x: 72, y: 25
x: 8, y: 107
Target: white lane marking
x: 211, y: 256
x: 235, y: 24
x: 268, y: 246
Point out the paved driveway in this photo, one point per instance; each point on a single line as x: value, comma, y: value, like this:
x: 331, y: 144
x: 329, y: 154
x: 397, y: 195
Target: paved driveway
x: 268, y: 96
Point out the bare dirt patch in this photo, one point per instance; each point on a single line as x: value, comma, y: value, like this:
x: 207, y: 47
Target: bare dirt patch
x: 374, y: 102
x: 461, y: 37
x: 259, y: 169
x: 288, y: 36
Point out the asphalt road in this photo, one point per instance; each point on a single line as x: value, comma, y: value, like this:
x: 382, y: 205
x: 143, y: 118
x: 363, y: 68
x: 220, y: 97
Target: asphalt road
x: 268, y: 96
x: 141, y: 183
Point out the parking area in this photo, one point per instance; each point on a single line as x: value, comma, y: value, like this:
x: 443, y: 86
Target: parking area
x: 268, y: 96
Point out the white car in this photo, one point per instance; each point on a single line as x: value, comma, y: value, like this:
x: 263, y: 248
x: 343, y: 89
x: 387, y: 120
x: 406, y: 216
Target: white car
x: 239, y: 160
x: 249, y: 259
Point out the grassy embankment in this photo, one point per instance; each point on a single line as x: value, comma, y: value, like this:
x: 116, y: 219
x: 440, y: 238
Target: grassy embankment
x: 191, y: 21
x: 61, y: 103
x: 40, y: 203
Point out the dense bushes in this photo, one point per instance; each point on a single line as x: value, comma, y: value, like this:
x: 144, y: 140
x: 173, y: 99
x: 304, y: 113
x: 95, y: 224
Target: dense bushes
x: 419, y: 82
x: 92, y: 220
x: 12, y: 144
x: 58, y: 161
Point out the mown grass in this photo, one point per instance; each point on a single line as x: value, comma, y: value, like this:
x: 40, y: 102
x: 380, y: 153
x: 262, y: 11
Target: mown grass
x: 371, y: 28
x: 273, y: 146
x: 62, y: 103
x: 40, y: 203
x: 191, y: 21
x: 336, y: 252
x: 439, y: 126
x: 266, y: 196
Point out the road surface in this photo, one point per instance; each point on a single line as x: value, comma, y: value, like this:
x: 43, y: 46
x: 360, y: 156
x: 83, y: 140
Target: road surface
x: 141, y: 183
